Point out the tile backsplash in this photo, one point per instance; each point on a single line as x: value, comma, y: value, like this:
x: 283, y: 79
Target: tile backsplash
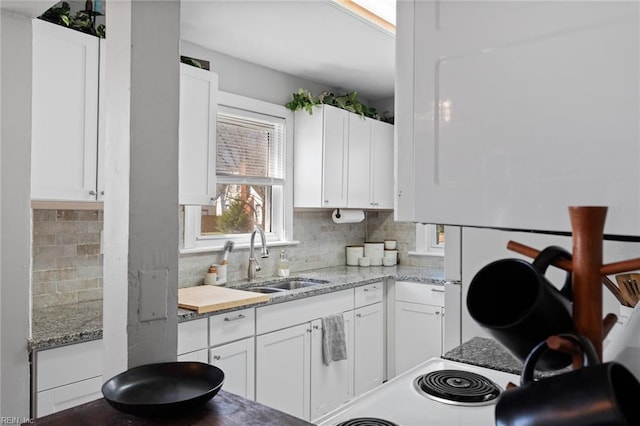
x: 67, y: 264
x: 322, y: 245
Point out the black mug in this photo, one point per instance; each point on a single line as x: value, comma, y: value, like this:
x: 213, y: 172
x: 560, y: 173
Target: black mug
x: 515, y: 303
x: 598, y: 394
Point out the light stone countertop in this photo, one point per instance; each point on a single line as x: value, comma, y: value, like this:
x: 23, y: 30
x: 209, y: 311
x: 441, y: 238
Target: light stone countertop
x: 67, y: 324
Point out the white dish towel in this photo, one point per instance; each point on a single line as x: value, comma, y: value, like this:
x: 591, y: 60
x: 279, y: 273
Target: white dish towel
x: 334, y: 342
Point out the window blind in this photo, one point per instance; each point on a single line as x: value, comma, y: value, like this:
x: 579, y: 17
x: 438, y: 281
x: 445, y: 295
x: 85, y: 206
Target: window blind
x: 249, y: 145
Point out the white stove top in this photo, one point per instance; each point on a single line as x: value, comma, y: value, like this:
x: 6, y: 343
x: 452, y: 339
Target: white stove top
x: 399, y: 402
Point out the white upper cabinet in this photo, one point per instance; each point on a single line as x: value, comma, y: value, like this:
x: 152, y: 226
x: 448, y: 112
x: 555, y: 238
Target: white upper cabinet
x: 320, y: 157
x: 381, y: 165
x: 64, y: 151
x: 370, y: 182
x: 197, y: 135
x: 510, y: 112
x: 342, y: 159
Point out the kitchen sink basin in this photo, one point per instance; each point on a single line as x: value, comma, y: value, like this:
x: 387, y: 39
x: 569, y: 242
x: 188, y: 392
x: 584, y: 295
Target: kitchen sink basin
x: 295, y: 283
x: 265, y: 289
x: 290, y: 284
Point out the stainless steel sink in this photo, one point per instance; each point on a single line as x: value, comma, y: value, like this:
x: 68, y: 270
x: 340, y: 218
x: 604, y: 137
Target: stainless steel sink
x: 265, y: 289
x: 289, y: 284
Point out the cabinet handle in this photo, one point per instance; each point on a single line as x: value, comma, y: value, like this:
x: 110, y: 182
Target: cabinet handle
x: 92, y: 192
x: 239, y: 317
x: 101, y: 192
x: 308, y: 330
x: 359, y: 315
x: 316, y: 327
x: 216, y: 357
x: 375, y: 287
x: 326, y: 201
x: 437, y: 290
x: 437, y: 312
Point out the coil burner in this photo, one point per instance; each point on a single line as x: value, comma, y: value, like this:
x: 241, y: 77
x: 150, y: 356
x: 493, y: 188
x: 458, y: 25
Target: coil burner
x: 366, y: 421
x: 458, y: 387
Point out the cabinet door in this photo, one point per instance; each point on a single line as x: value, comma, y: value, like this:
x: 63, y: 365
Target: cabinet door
x: 381, y: 165
x: 335, y: 157
x: 360, y: 165
x: 331, y: 385
x: 67, y: 396
x: 192, y: 336
x: 197, y: 135
x: 489, y: 146
x: 404, y: 192
x: 283, y: 361
x: 418, y: 334
x: 101, y: 119
x: 65, y: 113
x: 237, y: 360
x: 369, y: 347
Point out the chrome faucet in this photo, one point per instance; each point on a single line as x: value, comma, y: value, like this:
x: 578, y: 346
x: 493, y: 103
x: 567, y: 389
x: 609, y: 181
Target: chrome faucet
x: 254, y: 265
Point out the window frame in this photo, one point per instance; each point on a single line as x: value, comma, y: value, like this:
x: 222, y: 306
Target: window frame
x: 426, y: 241
x: 282, y: 219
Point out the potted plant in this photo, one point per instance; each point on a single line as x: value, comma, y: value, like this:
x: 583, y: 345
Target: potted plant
x: 303, y: 99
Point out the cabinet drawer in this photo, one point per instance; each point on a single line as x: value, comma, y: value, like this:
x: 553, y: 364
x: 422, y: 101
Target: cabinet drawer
x: 231, y: 326
x: 282, y: 315
x: 192, y: 336
x: 195, y: 356
x: 68, y: 364
x: 426, y: 294
x: 63, y: 397
x: 368, y: 294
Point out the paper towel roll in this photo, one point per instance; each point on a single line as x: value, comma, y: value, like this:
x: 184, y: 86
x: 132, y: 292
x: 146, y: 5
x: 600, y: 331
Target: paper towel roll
x: 347, y: 216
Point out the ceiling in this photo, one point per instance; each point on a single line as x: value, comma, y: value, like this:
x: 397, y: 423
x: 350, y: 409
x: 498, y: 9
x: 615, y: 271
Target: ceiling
x: 318, y: 40
x: 313, y: 39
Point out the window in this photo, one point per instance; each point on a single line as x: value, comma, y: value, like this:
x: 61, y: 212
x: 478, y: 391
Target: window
x: 429, y: 240
x: 253, y: 187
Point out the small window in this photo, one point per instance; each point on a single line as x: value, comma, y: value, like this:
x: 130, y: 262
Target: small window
x: 252, y: 188
x: 429, y: 240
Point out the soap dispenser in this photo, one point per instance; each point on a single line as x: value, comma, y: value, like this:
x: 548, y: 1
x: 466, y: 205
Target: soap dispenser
x: 283, y: 265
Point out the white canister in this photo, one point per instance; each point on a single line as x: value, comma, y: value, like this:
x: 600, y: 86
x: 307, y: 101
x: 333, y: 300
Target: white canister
x: 374, y: 250
x: 353, y: 254
x: 376, y: 261
x: 390, y: 244
x: 210, y: 278
x: 392, y: 254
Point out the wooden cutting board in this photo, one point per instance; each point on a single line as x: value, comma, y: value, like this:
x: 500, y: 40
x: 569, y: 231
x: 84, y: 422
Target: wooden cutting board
x: 209, y: 298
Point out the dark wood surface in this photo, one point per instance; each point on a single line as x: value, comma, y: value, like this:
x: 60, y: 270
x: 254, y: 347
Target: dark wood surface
x: 225, y: 409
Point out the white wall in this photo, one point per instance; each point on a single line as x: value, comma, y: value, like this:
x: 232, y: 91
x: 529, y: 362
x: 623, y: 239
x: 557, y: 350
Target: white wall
x: 258, y: 82
x: 15, y: 213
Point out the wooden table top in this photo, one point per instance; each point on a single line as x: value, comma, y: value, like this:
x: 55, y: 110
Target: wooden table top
x: 225, y: 409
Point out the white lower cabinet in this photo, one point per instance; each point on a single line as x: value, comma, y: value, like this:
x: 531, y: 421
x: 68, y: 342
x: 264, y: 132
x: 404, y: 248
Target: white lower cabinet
x: 331, y: 385
x: 369, y: 346
x: 67, y: 376
x: 67, y: 396
x: 192, y: 340
x: 283, y: 370
x: 292, y: 377
x: 237, y: 360
x: 418, y: 334
x: 290, y: 373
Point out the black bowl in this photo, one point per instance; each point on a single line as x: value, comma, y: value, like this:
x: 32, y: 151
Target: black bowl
x: 163, y: 389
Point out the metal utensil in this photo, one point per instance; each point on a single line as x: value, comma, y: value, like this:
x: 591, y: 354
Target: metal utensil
x: 228, y: 247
